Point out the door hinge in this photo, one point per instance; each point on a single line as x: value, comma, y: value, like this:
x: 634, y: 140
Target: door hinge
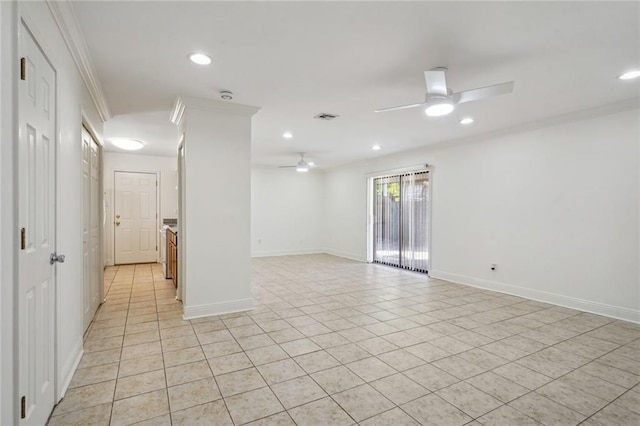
x: 23, y: 407
x: 23, y: 239
x: 23, y: 68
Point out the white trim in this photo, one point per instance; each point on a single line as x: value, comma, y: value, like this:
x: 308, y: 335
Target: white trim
x: 200, y: 311
x: 350, y: 256
x: 430, y: 169
x: 286, y: 252
x: 182, y: 259
x: 421, y: 151
x: 9, y: 22
x: 625, y: 105
x: 617, y: 312
x: 177, y: 113
x: 86, y: 122
x: 158, y: 175
x: 369, y: 219
x: 398, y: 171
x: 69, y: 368
x: 183, y: 102
x: 370, y: 177
x: 65, y: 16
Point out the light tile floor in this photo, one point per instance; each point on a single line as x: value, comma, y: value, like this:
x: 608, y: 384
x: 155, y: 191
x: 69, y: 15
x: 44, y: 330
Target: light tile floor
x: 337, y: 342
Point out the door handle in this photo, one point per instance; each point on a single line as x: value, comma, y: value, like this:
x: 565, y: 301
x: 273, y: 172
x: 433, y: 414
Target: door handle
x: 56, y: 258
x: 117, y: 223
x: 117, y: 216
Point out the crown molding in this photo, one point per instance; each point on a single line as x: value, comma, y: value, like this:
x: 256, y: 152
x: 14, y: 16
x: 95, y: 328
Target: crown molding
x: 67, y: 21
x: 598, y: 111
x: 177, y: 113
x: 421, y: 151
x: 189, y: 102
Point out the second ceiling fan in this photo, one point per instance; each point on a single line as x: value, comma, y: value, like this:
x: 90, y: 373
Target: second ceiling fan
x: 440, y: 100
x: 302, y: 165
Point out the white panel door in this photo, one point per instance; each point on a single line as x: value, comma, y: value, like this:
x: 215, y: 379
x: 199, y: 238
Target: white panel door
x: 135, y: 214
x: 37, y: 176
x: 90, y: 226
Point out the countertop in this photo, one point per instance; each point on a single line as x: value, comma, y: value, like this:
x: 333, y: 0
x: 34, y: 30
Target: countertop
x: 172, y: 228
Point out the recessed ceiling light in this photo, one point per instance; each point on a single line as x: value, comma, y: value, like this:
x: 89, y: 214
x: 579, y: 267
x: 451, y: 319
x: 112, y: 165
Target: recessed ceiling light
x: 630, y: 75
x: 287, y: 135
x: 376, y: 147
x: 127, y: 143
x: 200, y: 59
x: 466, y: 121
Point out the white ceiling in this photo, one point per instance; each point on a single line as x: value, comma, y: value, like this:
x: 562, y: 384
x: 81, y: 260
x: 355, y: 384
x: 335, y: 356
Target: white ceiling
x: 297, y: 59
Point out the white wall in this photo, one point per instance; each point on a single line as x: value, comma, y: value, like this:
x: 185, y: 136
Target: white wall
x: 214, y: 236
x: 73, y: 103
x: 556, y: 208
x: 166, y: 167
x: 287, y: 211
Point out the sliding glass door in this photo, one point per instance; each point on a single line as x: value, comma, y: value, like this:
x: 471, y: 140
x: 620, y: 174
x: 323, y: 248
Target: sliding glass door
x: 386, y: 217
x: 400, y: 228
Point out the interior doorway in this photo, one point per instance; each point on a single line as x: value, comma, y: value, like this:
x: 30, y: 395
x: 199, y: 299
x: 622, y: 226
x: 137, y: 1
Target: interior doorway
x: 37, y: 220
x: 92, y: 263
x: 136, y: 218
x: 401, y: 220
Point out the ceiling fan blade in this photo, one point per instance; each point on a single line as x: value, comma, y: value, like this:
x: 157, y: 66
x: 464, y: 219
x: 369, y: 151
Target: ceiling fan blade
x: 398, y: 107
x: 436, y: 82
x: 483, y: 92
x: 286, y: 167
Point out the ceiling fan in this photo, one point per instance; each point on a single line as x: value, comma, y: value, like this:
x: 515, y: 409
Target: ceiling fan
x: 440, y: 100
x: 302, y: 165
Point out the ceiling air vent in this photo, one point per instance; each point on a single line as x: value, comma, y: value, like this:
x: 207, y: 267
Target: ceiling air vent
x: 326, y: 116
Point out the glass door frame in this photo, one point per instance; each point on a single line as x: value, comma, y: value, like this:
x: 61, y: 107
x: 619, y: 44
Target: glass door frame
x: 371, y: 200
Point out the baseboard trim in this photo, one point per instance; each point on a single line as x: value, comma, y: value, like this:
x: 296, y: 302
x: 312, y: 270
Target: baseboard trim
x: 598, y: 308
x: 350, y: 256
x: 199, y: 311
x: 285, y: 252
x: 69, y: 368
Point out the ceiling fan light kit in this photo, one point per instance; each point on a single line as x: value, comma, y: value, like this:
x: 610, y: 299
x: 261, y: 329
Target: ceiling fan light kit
x: 302, y: 166
x: 440, y: 100
x: 437, y: 106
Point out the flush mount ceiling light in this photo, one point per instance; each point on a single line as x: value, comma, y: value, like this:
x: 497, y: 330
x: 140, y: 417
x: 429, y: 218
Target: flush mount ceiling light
x: 200, y: 59
x: 376, y: 148
x: 287, y: 135
x: 437, y: 106
x: 127, y: 143
x: 630, y: 75
x: 466, y: 121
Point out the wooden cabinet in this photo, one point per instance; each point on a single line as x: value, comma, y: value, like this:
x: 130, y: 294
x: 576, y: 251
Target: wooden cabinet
x: 172, y: 255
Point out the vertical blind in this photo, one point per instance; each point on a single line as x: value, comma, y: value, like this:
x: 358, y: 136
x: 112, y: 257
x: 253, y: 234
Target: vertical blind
x: 400, y: 227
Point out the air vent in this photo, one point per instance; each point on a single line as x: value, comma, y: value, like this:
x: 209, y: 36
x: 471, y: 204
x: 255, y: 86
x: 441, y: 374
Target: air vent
x: 326, y: 116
